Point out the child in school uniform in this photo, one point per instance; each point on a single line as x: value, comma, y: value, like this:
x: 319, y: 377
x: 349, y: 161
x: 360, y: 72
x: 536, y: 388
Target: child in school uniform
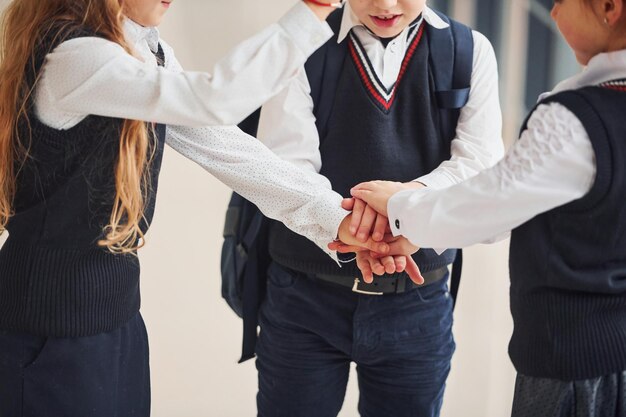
x: 383, y: 122
x: 560, y: 189
x: 83, y: 108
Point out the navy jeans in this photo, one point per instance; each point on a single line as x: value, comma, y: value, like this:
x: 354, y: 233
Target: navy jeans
x: 106, y: 375
x: 312, y: 330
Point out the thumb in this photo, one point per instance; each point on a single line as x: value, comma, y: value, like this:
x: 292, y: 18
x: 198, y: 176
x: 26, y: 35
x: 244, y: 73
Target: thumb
x: 347, y: 204
x: 377, y: 247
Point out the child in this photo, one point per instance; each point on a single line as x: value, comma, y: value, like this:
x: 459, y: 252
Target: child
x: 383, y: 121
x: 78, y: 179
x: 561, y: 190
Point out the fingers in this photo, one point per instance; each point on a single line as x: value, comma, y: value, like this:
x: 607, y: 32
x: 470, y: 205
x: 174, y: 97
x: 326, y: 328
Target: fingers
x: 413, y: 271
x: 358, y: 210
x: 348, y: 204
x: 400, y: 263
x: 381, y: 248
x: 380, y: 228
x: 343, y: 248
x: 389, y: 264
x: 367, y: 221
x: 401, y: 247
x: 365, y: 186
x: 364, y: 265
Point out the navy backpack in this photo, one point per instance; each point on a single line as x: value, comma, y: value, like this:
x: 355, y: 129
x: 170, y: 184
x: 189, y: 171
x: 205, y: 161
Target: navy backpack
x: 245, y: 255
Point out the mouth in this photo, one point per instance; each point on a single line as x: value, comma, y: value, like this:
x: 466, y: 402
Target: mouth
x: 166, y: 4
x: 386, y: 21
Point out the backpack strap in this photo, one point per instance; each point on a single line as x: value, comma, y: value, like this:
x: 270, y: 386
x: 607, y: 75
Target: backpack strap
x: 451, y: 62
x: 323, y: 68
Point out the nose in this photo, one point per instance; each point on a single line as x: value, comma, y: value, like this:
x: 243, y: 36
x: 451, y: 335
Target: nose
x: 385, y: 4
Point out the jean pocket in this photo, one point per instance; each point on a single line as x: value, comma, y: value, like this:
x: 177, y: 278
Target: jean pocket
x: 20, y: 350
x: 281, y: 277
x: 433, y: 293
x: 38, y: 354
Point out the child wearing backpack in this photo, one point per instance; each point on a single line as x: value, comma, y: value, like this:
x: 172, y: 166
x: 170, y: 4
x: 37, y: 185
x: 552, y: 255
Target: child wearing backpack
x: 560, y: 189
x: 400, y: 92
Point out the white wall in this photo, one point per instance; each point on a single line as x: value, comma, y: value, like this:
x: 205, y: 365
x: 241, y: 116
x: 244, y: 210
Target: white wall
x: 195, y: 339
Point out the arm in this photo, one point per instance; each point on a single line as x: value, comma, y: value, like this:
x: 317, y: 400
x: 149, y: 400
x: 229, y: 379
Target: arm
x: 287, y: 125
x: 302, y: 200
x: 552, y: 164
x: 93, y: 76
x: 478, y: 143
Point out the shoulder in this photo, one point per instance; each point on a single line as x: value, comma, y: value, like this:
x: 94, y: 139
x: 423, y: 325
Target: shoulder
x: 483, y: 49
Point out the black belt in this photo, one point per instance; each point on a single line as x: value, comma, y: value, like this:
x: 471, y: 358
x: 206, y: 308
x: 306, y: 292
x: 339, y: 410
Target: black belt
x: 383, y: 284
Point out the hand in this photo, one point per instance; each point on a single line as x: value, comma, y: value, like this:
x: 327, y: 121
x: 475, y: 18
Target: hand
x: 363, y: 217
x: 349, y: 243
x: 398, y: 246
x: 377, y: 193
x: 394, y: 246
x: 370, y: 265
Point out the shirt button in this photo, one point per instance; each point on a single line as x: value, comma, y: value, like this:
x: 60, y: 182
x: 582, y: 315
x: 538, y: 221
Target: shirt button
x: 397, y: 224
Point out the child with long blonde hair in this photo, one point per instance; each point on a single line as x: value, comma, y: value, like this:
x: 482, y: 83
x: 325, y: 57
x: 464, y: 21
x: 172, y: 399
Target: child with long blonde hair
x: 83, y: 108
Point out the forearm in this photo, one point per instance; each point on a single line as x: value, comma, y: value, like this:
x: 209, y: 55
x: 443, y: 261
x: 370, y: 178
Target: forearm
x: 551, y: 165
x: 303, y: 201
x: 93, y: 76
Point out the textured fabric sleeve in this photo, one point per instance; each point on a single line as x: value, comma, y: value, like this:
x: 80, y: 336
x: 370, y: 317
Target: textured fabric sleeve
x: 552, y: 164
x: 90, y: 75
x: 303, y: 201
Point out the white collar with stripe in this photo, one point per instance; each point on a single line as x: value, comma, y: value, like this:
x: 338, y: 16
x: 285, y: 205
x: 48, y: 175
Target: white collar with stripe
x: 350, y: 21
x: 601, y: 68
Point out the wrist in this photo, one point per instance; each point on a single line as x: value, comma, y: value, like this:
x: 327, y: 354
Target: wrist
x: 414, y: 185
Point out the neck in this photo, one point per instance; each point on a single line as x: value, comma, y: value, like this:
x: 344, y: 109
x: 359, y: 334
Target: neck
x: 616, y: 44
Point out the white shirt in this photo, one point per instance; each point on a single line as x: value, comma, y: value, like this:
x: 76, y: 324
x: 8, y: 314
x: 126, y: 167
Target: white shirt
x: 553, y: 163
x: 93, y: 76
x: 288, y: 125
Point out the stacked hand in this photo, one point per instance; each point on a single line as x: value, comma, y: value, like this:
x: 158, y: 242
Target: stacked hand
x: 368, y: 225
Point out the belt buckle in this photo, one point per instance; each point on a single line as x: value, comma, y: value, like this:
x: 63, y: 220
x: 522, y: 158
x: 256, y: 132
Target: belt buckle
x: 355, y: 288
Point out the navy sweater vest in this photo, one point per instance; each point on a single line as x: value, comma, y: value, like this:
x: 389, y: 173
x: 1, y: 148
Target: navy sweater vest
x: 568, y: 265
x: 373, y: 134
x: 54, y: 278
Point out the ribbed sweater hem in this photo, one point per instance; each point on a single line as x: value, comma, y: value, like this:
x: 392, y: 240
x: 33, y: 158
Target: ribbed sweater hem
x: 65, y: 292
x: 568, y: 336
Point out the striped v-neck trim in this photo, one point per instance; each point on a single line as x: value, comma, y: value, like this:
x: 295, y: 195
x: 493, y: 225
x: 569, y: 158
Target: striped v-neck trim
x: 382, y: 96
x: 619, y: 85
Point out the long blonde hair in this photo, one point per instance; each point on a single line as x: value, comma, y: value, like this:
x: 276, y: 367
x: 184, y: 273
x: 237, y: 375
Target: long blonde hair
x: 25, y: 23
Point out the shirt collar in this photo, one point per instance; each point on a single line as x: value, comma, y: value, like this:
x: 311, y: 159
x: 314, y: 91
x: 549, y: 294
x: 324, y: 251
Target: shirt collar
x: 136, y: 33
x: 350, y: 21
x: 603, y: 67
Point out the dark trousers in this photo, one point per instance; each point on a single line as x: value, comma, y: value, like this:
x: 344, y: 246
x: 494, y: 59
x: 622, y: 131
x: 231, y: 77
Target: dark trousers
x: 597, y: 397
x: 311, y: 331
x: 106, y: 375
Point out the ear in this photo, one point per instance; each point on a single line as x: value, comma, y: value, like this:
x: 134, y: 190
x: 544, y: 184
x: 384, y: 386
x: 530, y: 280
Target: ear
x: 612, y: 11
